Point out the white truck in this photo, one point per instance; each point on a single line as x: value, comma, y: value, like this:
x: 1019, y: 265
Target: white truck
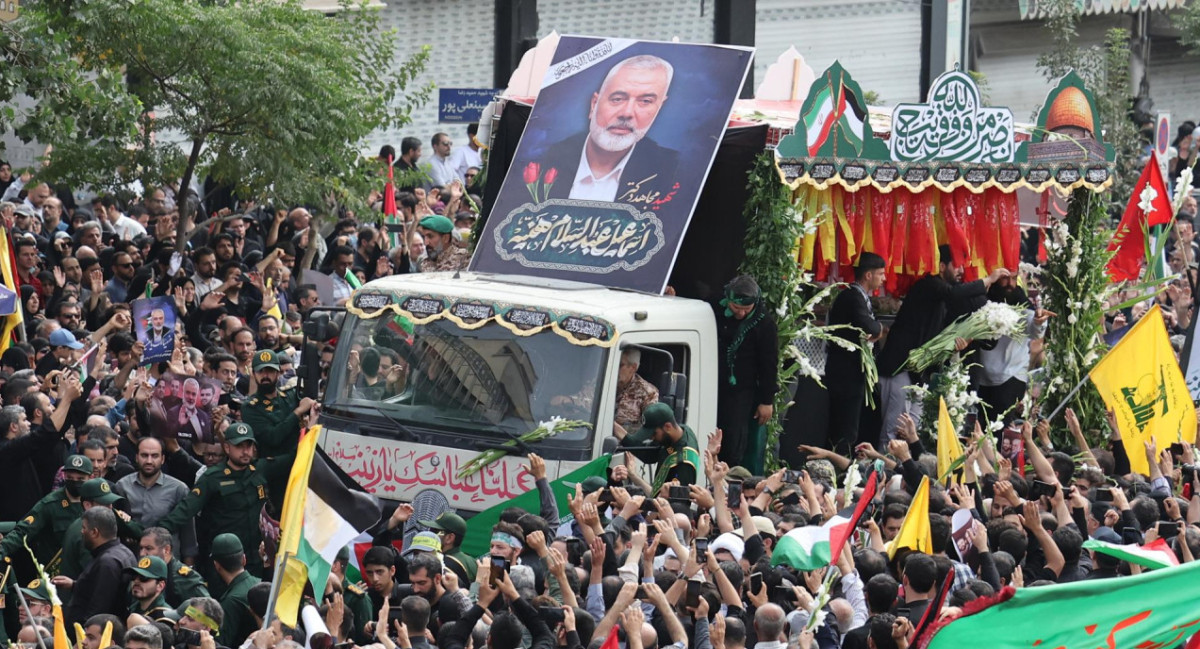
x: 481, y: 359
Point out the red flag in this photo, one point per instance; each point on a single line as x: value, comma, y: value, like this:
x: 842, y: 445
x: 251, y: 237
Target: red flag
x: 1129, y: 241
x: 611, y: 641
x: 840, y: 534
x: 389, y: 193
x: 933, y: 610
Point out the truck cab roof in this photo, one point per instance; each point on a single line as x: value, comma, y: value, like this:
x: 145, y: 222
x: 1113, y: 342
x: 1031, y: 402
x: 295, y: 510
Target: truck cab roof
x: 625, y: 309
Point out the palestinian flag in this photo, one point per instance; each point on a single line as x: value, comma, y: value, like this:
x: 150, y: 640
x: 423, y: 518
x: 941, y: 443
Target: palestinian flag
x: 1156, y: 554
x: 324, y: 509
x: 1153, y: 609
x: 812, y: 547
x: 850, y: 124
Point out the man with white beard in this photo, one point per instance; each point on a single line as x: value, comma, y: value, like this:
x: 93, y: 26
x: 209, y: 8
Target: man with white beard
x: 614, y: 161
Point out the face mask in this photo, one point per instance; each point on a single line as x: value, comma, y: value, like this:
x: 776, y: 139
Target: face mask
x: 73, y: 488
x: 354, y: 241
x: 288, y: 375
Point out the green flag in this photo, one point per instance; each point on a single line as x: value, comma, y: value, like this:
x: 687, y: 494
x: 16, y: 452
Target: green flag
x: 479, y: 528
x: 1154, y: 609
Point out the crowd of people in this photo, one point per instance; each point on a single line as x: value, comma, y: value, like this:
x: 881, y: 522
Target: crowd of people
x: 156, y: 540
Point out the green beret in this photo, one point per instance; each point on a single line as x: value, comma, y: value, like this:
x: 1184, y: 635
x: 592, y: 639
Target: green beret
x: 437, y: 223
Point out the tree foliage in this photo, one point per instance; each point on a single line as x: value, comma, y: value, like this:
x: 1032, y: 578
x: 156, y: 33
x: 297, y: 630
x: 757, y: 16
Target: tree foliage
x: 258, y: 94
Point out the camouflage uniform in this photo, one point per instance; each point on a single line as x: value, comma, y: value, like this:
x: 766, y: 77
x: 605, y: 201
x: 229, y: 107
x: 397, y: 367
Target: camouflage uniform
x: 632, y: 400
x: 454, y: 258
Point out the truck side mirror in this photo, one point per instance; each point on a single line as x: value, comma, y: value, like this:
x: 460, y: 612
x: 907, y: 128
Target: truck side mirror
x: 672, y: 390
x: 316, y: 327
x: 609, y: 445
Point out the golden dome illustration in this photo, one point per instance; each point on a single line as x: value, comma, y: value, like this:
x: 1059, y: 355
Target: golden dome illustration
x: 1070, y: 109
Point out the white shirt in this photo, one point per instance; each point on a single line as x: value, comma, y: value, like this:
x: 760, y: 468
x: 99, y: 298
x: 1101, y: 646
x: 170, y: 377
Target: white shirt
x: 205, y: 286
x: 1009, y: 359
x: 442, y: 170
x: 588, y: 187
x: 127, y: 228
x: 341, y: 288
x: 463, y: 158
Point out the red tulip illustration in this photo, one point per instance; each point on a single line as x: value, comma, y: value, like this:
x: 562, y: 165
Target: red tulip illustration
x: 548, y: 181
x: 532, y: 171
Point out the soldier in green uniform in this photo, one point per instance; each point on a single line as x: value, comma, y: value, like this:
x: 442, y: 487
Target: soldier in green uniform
x: 96, y: 492
x: 38, y: 598
x: 147, y: 588
x: 677, y: 452
x: 183, y: 583
x: 230, y: 560
x: 274, y: 414
x: 452, y: 529
x: 48, y: 520
x: 232, y: 496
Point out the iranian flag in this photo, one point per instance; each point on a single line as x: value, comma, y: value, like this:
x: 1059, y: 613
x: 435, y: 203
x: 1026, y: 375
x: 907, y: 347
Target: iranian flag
x: 819, y: 120
x: 811, y: 547
x: 1156, y: 554
x: 323, y: 510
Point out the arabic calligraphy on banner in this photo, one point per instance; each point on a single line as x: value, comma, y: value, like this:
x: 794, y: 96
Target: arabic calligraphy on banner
x: 953, y: 126
x: 581, y: 236
x: 400, y: 471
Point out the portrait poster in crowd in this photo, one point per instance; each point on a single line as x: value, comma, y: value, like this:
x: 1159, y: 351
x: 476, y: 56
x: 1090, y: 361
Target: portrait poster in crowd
x: 962, y: 532
x: 154, y: 324
x: 182, y: 407
x: 1012, y: 445
x: 612, y: 160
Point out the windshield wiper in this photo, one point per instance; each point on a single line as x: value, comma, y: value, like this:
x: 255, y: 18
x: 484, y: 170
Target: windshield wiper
x: 408, y: 434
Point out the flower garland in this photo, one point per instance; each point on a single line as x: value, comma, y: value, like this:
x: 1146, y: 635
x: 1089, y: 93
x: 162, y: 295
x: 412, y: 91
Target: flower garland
x: 774, y: 223
x: 1076, y: 287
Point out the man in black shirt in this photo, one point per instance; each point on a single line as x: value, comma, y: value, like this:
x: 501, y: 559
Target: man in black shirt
x: 103, y: 585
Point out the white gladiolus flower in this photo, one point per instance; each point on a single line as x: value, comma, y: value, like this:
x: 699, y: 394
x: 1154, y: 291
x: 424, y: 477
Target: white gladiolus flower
x: 1146, y: 200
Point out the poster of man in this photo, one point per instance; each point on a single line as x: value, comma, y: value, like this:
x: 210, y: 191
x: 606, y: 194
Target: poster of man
x: 612, y: 160
x: 154, y: 322
x: 1012, y: 445
x: 962, y: 532
x: 181, y: 407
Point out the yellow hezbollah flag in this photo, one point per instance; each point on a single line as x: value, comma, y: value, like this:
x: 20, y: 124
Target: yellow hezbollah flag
x: 949, y: 449
x: 914, y: 531
x: 291, y: 530
x: 1142, y: 384
x: 9, y: 322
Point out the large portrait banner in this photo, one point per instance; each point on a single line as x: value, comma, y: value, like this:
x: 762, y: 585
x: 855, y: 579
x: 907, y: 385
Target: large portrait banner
x: 610, y: 166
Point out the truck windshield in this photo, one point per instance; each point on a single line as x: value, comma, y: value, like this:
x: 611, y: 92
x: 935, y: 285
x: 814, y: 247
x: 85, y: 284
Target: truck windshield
x: 486, y: 381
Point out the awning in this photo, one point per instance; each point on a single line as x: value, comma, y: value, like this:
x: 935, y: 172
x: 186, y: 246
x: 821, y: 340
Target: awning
x: 1040, y: 8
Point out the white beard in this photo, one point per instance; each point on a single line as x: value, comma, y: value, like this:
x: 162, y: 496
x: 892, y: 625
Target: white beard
x: 614, y: 143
